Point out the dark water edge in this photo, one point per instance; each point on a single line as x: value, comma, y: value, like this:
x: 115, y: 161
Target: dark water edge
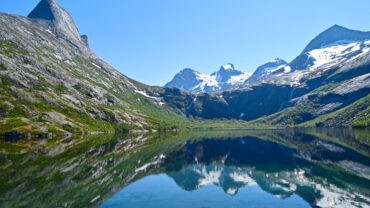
x: 87, y: 170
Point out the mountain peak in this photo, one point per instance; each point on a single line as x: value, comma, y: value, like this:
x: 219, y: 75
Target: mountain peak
x: 337, y: 27
x: 226, y: 72
x: 335, y: 34
x: 277, y: 60
x: 45, y: 9
x: 266, y: 69
x: 185, y: 79
x: 60, y: 21
x: 226, y: 78
x: 188, y: 70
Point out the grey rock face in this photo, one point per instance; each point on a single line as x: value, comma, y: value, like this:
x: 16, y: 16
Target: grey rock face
x: 60, y: 21
x: 46, y: 66
x: 247, y: 104
x: 85, y: 39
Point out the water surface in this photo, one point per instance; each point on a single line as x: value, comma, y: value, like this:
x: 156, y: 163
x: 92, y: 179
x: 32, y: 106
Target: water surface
x: 264, y: 168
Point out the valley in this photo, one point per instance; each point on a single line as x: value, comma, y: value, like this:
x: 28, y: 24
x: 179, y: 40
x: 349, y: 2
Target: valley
x: 77, y: 132
x: 53, y: 84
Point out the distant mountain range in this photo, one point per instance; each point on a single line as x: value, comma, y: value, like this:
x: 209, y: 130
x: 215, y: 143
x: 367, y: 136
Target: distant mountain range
x: 224, y: 79
x: 328, y: 84
x: 337, y: 45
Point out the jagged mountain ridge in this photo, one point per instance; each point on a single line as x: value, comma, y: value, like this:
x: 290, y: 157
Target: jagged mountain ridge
x: 226, y: 78
x: 331, y: 48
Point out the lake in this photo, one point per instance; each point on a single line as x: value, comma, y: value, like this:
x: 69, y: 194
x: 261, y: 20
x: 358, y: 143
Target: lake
x: 254, y: 168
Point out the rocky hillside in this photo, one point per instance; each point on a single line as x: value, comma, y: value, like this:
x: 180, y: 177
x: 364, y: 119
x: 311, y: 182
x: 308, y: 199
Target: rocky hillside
x: 51, y: 82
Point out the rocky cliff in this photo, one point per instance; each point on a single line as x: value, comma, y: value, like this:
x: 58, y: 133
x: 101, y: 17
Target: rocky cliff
x: 51, y: 82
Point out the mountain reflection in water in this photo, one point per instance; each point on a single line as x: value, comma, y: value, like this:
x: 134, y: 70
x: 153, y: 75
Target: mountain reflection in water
x: 264, y: 168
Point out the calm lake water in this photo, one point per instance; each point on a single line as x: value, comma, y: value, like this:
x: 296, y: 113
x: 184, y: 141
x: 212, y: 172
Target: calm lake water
x: 264, y: 168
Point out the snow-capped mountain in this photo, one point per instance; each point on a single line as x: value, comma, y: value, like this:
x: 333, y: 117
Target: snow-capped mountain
x: 334, y: 46
x: 266, y: 69
x: 196, y: 82
x: 330, y: 74
x: 336, y: 34
x: 331, y: 49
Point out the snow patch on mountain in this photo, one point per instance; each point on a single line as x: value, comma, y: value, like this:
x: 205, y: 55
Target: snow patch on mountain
x: 316, y: 61
x: 327, y: 57
x: 228, y: 66
x: 157, y: 100
x: 266, y: 69
x: 239, y: 79
x: 207, y: 80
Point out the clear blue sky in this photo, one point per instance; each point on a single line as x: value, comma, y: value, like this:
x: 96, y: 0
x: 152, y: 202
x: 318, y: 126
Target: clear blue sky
x: 151, y: 41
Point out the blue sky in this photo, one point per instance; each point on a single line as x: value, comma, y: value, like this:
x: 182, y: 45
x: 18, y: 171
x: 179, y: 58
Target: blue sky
x: 151, y: 41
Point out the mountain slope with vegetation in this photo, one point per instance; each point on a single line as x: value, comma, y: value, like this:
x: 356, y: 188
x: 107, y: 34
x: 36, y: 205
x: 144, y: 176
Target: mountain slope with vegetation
x: 51, y: 82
